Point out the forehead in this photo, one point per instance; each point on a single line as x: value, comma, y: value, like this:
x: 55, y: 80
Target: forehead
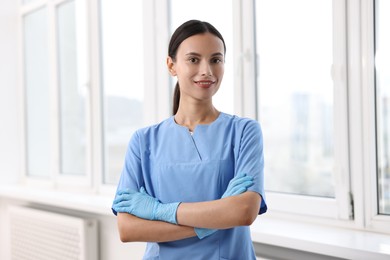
x: 203, y: 44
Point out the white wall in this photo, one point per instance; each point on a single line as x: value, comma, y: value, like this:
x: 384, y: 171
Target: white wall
x: 9, y: 125
x: 10, y: 159
x: 110, y: 247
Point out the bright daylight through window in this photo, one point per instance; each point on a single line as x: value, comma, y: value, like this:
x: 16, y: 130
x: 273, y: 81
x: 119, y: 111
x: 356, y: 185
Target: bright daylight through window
x: 73, y: 91
x: 36, y: 85
x: 382, y: 75
x: 295, y: 95
x: 123, y: 80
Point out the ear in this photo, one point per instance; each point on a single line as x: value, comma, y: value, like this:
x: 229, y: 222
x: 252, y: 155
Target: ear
x: 171, y: 66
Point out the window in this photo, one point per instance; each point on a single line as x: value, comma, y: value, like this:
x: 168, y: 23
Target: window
x: 73, y: 89
x: 382, y: 67
x: 56, y: 91
x: 313, y: 72
x: 37, y: 92
x: 123, y: 80
x: 301, y: 61
x: 295, y: 94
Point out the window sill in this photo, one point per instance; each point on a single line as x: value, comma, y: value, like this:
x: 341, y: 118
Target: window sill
x: 313, y: 238
x: 84, y: 202
x: 318, y: 239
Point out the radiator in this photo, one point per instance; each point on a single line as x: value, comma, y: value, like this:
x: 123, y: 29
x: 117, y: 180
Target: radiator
x: 42, y: 235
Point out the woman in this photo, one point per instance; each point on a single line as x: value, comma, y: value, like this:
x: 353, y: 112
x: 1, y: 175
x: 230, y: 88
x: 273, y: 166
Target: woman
x: 192, y: 184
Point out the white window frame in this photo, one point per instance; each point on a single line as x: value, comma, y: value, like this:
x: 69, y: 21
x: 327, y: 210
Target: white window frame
x: 56, y: 179
x: 156, y: 37
x: 244, y: 58
x: 373, y: 220
x: 355, y: 109
x: 354, y: 92
x: 157, y: 94
x: 95, y: 45
x: 157, y: 107
x: 338, y: 208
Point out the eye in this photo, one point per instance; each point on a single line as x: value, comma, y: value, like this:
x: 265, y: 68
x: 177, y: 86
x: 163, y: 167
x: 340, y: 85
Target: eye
x: 216, y: 60
x: 193, y: 60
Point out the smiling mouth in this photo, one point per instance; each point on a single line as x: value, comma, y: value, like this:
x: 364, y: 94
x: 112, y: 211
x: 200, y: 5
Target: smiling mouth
x: 204, y: 83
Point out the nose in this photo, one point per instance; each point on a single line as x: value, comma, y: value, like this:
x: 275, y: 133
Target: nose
x: 205, y: 69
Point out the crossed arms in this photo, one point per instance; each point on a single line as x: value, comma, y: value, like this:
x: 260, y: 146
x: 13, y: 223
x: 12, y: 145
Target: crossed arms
x: 228, y: 212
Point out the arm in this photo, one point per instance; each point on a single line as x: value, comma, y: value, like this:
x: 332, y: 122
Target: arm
x: 143, y: 206
x: 132, y: 229
x: 240, y: 210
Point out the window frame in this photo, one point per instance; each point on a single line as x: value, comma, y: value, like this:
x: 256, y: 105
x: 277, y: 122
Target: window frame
x: 55, y: 177
x: 25, y: 10
x: 244, y: 56
x: 332, y: 208
x: 355, y: 205
x: 157, y: 95
x: 374, y: 220
x: 157, y: 106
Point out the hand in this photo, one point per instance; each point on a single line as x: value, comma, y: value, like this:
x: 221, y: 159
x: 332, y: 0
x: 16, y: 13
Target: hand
x: 144, y: 206
x: 136, y: 203
x: 237, y: 185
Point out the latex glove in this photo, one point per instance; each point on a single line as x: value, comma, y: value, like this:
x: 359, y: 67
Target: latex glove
x: 237, y: 185
x: 144, y: 206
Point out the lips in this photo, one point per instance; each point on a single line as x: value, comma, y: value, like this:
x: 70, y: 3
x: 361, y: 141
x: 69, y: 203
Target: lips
x: 204, y: 83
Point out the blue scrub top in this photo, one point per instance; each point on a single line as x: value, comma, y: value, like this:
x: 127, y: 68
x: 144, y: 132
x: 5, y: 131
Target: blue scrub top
x: 176, y: 166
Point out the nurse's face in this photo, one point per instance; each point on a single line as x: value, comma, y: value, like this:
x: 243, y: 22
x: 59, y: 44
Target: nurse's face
x: 199, y: 66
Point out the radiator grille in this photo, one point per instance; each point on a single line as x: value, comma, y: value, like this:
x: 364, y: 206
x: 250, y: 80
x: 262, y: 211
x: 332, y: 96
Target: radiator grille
x: 43, y: 235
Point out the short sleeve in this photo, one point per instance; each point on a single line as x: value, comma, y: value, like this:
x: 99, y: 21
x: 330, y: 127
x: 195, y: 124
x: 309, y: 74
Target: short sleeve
x: 131, y: 175
x: 251, y: 158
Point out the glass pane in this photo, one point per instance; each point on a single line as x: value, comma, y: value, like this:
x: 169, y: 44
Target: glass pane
x: 36, y: 69
x: 382, y: 68
x: 122, y: 79
x: 295, y: 94
x: 72, y: 92
x: 222, y: 19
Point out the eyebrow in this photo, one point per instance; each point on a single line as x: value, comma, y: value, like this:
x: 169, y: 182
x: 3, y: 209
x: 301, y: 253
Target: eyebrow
x: 197, y: 54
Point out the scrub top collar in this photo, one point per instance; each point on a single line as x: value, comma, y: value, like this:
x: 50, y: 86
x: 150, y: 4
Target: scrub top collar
x: 172, y: 119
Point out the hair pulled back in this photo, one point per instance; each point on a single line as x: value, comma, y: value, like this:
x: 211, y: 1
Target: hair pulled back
x: 184, y: 31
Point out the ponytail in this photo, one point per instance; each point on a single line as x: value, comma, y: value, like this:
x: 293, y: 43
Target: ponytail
x: 176, y: 98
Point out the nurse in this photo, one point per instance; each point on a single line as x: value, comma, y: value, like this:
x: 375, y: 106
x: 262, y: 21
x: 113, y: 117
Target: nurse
x: 193, y: 184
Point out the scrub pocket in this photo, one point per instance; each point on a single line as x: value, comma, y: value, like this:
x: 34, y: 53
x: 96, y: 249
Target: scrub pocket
x: 192, y: 182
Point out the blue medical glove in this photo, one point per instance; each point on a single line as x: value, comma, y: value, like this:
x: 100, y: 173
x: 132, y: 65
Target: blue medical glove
x: 237, y: 185
x: 144, y: 206
x: 204, y: 232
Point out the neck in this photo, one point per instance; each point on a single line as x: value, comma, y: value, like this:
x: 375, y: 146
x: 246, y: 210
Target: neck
x: 191, y: 115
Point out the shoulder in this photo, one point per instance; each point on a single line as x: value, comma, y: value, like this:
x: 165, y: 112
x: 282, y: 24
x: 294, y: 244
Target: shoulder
x: 143, y: 137
x: 153, y: 129
x: 243, y: 123
x: 243, y: 129
x: 150, y: 134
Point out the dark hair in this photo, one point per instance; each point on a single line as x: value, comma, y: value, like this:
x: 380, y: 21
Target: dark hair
x: 184, y: 31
